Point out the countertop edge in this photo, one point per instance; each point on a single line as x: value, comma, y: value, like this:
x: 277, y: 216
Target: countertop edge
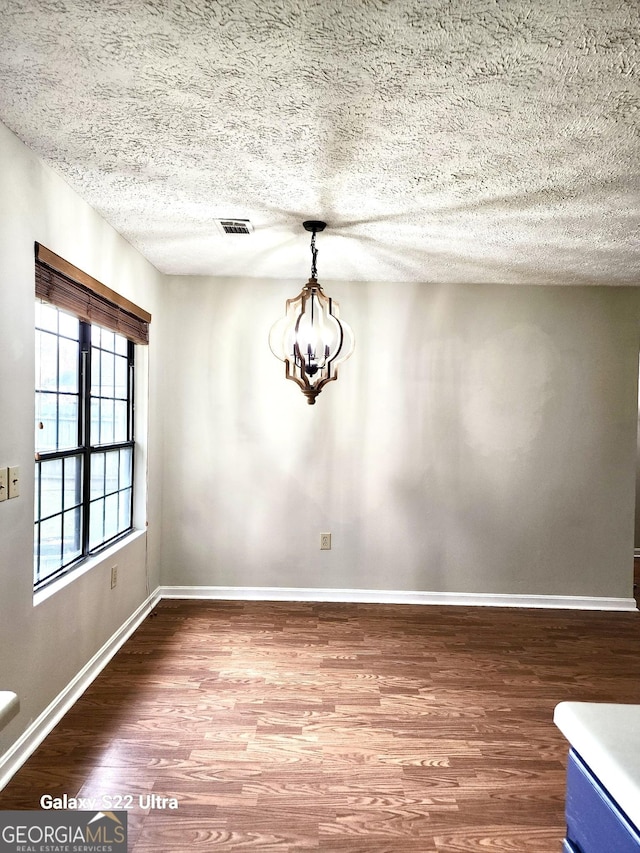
x: 600, y: 734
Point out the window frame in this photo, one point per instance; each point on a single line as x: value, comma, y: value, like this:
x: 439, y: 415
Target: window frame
x: 86, y: 450
x: 95, y: 306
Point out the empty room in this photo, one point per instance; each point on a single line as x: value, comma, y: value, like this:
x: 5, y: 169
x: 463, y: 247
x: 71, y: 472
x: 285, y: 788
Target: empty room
x: 319, y: 326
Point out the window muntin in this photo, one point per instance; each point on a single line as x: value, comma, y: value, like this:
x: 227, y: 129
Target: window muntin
x: 84, y: 440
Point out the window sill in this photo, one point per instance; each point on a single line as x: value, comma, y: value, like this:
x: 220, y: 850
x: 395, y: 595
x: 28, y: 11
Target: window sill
x: 90, y: 563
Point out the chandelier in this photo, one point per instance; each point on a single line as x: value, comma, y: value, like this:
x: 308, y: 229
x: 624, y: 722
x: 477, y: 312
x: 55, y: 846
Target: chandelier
x: 310, y: 338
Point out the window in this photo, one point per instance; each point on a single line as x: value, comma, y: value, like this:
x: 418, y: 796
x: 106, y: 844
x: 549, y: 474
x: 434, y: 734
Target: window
x: 84, y: 439
x: 84, y: 423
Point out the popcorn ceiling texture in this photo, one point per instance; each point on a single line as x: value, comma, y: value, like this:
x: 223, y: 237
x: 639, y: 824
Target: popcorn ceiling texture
x: 466, y: 141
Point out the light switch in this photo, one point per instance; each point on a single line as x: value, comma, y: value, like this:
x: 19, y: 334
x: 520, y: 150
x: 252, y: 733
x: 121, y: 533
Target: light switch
x: 3, y: 484
x: 14, y: 481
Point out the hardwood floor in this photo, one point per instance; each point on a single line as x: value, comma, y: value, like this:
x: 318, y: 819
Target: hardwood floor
x: 360, y: 728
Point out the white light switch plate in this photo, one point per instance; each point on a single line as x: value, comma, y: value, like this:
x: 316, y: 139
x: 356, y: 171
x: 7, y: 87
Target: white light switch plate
x: 4, y: 481
x: 14, y: 481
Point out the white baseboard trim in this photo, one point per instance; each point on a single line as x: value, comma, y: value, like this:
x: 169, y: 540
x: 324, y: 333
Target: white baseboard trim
x: 28, y: 742
x: 377, y: 596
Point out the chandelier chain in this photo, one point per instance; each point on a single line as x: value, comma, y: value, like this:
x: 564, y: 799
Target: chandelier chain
x: 314, y: 257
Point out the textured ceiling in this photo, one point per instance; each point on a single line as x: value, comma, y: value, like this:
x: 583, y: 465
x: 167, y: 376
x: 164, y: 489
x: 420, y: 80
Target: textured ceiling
x: 453, y: 140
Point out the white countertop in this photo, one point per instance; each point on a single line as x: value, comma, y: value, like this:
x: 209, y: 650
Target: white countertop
x: 9, y: 707
x: 607, y: 738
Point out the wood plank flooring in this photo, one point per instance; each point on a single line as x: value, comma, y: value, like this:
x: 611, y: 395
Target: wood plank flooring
x: 331, y: 727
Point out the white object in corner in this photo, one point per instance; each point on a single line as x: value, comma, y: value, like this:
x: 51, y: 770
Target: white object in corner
x: 9, y: 707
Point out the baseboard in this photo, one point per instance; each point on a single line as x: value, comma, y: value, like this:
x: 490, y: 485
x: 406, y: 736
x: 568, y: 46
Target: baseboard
x: 26, y: 744
x: 376, y: 596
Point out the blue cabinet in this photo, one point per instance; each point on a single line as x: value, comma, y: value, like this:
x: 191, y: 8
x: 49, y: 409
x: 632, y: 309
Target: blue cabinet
x: 595, y: 823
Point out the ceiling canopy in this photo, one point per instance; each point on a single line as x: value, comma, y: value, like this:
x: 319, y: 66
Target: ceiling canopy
x: 469, y: 141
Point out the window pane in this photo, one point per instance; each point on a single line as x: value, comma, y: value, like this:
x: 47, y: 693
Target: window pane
x: 97, y: 475
x: 36, y: 493
x: 107, y: 422
x: 95, y: 370
x: 102, y: 421
x: 107, y: 340
x: 107, y: 425
x: 50, y: 487
x: 120, y: 420
x: 96, y: 523
x: 46, y: 316
x: 126, y: 455
x: 124, y: 522
x: 112, y: 466
x: 50, y: 545
x: 110, y: 516
x: 121, y: 345
x: 68, y: 371
x: 36, y: 553
x: 67, y: 421
x: 72, y: 481
x: 46, y: 436
x: 106, y: 374
x: 121, y: 376
x: 72, y: 539
x: 46, y: 362
x: 95, y: 336
x: 69, y: 325
x: 95, y: 421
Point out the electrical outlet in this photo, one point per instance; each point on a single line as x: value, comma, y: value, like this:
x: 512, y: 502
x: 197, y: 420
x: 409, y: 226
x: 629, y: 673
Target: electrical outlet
x: 114, y: 576
x: 325, y: 541
x: 14, y: 481
x: 4, y: 482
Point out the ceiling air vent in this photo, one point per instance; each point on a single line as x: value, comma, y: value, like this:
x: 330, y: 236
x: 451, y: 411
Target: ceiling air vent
x: 234, y: 226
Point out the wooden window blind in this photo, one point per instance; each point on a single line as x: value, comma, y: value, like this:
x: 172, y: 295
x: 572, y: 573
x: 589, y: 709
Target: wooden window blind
x: 64, y: 285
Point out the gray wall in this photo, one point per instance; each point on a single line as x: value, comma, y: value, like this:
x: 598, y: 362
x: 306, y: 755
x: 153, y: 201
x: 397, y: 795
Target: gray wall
x: 637, y: 530
x: 481, y: 439
x: 43, y: 646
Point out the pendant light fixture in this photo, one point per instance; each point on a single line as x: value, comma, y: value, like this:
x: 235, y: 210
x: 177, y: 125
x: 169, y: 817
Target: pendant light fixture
x: 310, y: 338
